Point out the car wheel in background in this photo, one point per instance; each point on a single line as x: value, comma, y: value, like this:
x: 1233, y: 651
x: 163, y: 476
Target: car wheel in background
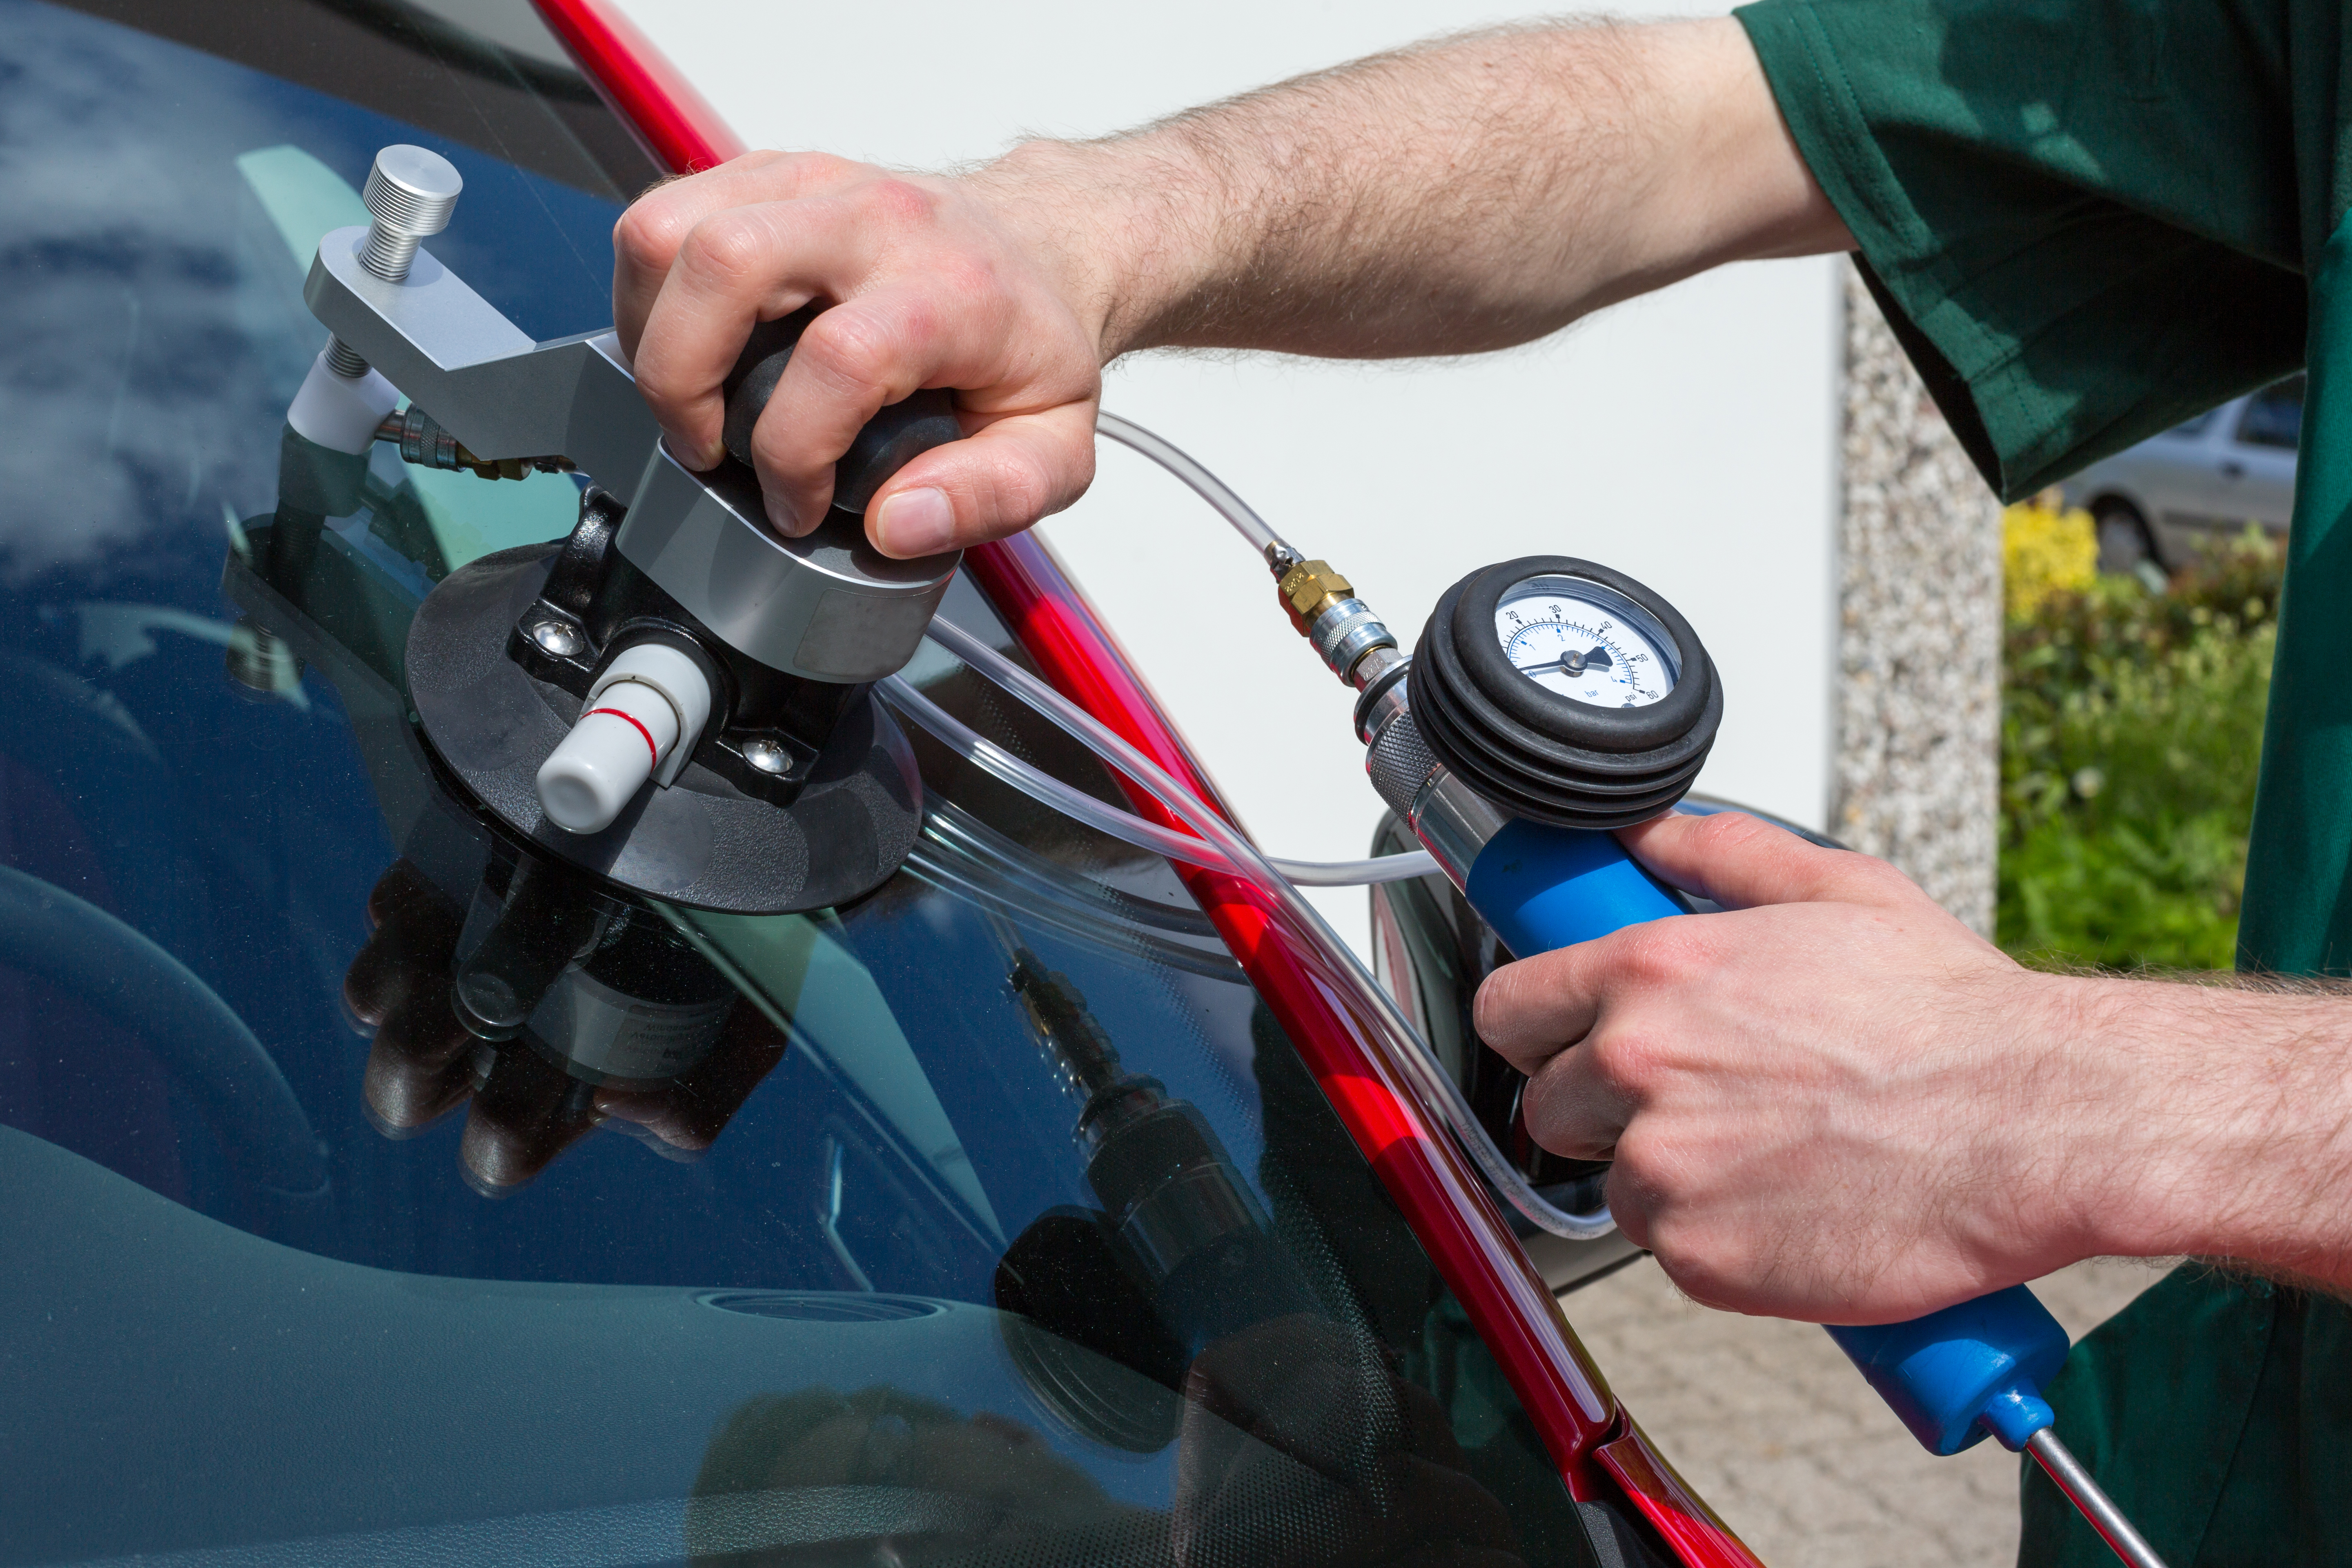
x: 2124, y: 538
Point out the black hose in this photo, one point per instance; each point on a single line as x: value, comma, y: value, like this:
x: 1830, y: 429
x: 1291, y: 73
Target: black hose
x: 47, y: 932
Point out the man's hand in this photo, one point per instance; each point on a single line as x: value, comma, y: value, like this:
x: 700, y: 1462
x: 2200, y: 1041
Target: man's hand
x: 1468, y: 194
x: 928, y: 288
x: 1835, y: 1102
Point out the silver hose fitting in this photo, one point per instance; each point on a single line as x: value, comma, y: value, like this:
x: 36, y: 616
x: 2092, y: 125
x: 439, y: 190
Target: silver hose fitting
x: 1323, y: 606
x: 410, y: 193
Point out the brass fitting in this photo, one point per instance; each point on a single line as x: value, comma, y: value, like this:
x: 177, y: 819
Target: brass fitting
x: 423, y: 441
x: 1324, y: 607
x: 1309, y: 590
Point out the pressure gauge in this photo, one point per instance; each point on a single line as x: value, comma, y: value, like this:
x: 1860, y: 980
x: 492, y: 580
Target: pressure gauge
x: 1583, y: 640
x: 1564, y: 691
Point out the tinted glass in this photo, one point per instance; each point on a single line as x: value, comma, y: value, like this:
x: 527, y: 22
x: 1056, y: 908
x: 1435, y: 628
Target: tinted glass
x: 989, y: 1219
x: 2274, y: 417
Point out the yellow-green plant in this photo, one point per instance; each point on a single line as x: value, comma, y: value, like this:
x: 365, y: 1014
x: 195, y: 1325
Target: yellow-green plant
x: 2131, y: 723
x: 2045, y: 548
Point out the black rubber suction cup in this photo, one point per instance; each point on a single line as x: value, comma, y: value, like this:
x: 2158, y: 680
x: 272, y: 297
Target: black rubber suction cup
x: 701, y: 842
x: 1544, y: 755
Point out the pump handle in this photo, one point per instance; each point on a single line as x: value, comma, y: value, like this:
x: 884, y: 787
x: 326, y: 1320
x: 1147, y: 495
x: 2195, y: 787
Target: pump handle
x: 891, y: 439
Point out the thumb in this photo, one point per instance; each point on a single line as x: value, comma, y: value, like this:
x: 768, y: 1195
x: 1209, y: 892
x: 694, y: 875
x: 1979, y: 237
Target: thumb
x: 996, y: 481
x: 1740, y: 862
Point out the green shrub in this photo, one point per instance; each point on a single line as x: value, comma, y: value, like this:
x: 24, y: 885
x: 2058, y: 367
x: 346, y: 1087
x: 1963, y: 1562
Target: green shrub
x: 2131, y: 723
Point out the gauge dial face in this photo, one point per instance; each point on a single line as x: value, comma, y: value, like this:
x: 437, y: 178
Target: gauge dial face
x: 1587, y: 642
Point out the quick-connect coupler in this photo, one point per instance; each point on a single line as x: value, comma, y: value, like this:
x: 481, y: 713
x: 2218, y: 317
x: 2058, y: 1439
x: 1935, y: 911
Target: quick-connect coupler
x: 1322, y: 605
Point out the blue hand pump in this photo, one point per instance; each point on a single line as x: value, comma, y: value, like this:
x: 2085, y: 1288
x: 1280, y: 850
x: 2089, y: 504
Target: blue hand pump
x: 1548, y: 701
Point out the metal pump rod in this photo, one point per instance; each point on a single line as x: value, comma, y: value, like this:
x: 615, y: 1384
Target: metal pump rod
x: 2096, y: 1507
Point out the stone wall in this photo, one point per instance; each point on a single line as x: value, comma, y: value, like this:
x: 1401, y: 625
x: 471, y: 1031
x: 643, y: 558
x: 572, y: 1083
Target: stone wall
x: 1917, y: 778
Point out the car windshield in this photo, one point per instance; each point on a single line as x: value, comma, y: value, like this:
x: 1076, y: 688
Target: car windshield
x: 991, y: 1218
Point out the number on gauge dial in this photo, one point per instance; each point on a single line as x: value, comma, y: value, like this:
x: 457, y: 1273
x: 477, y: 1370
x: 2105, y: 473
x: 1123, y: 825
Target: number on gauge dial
x: 1584, y: 642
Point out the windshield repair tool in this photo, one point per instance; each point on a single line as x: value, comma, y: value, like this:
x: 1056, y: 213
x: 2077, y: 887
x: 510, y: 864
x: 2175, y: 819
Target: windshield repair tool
x: 1548, y: 701
x: 674, y: 698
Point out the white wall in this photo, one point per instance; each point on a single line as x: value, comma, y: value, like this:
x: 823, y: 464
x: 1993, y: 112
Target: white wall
x: 1688, y: 438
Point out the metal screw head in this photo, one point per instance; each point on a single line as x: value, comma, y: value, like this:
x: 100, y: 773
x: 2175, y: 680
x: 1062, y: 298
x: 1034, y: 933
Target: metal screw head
x: 767, y: 756
x: 556, y: 638
x: 412, y: 189
x: 410, y: 193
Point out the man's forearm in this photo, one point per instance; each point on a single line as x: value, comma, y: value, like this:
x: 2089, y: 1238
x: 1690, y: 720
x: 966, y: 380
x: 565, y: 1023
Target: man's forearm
x: 1461, y: 195
x: 2235, y: 1140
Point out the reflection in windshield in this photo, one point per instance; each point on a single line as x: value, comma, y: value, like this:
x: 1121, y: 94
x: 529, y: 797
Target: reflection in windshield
x: 546, y: 1009
x: 378, y: 1192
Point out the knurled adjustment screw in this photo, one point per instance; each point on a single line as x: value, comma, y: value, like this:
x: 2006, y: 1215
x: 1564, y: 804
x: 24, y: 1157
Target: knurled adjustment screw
x: 410, y: 193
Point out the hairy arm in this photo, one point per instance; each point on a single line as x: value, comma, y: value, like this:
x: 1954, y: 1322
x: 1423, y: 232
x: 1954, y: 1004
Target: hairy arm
x: 1466, y: 194
x: 2244, y: 1150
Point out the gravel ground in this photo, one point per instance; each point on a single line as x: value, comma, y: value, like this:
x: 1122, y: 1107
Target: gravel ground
x: 1770, y: 1425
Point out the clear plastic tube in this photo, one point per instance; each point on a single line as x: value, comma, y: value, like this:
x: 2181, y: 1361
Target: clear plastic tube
x: 1355, y: 873
x: 1125, y: 825
x: 1437, y: 1088
x: 1205, y: 484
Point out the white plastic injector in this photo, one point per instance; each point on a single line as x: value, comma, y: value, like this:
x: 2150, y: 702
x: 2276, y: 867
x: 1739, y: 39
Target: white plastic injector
x: 641, y: 720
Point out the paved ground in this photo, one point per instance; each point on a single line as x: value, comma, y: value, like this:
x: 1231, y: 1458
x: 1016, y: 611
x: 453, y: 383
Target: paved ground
x: 1770, y: 1425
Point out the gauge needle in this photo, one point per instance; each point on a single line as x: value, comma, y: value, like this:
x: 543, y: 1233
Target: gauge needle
x: 1571, y: 662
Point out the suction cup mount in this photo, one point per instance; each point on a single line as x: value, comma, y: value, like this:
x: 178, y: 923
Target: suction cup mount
x: 831, y: 829
x: 673, y: 615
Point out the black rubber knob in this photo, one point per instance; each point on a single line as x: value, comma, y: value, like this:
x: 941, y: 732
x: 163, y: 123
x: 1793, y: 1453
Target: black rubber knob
x: 891, y: 439
x: 1535, y: 753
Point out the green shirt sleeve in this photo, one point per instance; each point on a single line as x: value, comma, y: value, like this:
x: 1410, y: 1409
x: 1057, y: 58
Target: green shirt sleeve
x: 2084, y: 218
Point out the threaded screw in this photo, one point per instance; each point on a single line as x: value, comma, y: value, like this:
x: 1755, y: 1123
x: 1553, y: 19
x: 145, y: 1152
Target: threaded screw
x: 410, y: 193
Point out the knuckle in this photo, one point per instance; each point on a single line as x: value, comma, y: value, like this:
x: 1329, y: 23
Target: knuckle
x: 1023, y: 491
x: 728, y: 247
x: 856, y: 347
x: 666, y: 386
x: 1061, y: 485
x: 1660, y: 954
x: 648, y: 234
x: 1625, y: 1058
x: 899, y: 203
x: 811, y: 167
x: 1728, y: 832
x: 965, y: 278
x: 776, y: 456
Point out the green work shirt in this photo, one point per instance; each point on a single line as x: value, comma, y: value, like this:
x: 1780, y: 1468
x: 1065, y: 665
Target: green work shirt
x: 2088, y: 220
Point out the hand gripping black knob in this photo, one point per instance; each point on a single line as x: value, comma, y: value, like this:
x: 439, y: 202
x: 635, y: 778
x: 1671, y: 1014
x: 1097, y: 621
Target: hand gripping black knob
x: 891, y: 439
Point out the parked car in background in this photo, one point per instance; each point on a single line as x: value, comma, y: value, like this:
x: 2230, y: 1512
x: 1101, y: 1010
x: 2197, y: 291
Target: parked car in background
x: 2231, y: 465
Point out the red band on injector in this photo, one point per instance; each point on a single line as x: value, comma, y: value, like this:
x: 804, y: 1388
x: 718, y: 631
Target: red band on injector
x: 640, y: 729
